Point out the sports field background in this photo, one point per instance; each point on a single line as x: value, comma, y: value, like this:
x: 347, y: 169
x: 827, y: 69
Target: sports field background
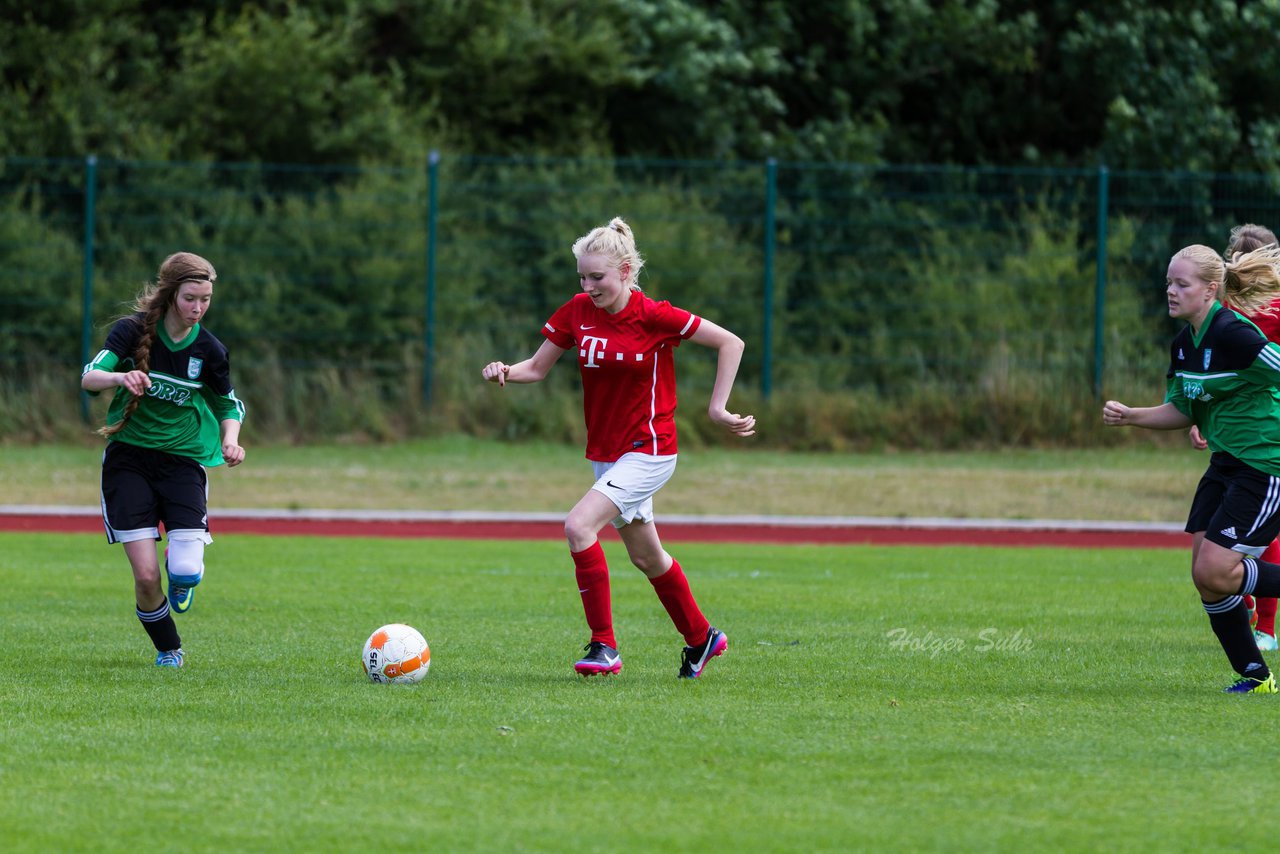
x: 900, y: 698
x: 872, y: 698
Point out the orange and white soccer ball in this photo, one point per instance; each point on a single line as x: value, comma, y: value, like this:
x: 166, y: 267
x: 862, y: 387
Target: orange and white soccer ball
x: 396, y: 653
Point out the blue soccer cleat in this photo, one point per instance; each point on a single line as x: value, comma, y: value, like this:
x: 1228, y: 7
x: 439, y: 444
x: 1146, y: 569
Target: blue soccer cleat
x: 169, y: 658
x: 1249, y: 685
x: 180, y: 598
x: 181, y: 589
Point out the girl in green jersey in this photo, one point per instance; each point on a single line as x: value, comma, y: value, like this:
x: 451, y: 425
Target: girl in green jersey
x: 174, y: 412
x: 1223, y: 378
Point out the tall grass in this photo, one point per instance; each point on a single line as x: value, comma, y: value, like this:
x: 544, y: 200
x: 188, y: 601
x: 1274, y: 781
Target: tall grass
x: 1017, y: 409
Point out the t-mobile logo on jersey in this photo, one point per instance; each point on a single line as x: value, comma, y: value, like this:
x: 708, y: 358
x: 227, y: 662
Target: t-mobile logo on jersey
x: 592, y: 349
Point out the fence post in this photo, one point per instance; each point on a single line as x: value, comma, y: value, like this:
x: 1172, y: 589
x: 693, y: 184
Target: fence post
x: 86, y: 294
x: 770, y: 206
x: 429, y: 332
x: 1100, y: 283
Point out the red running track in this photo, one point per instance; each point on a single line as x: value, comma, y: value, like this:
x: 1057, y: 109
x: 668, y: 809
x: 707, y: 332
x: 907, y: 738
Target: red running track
x: 907, y: 533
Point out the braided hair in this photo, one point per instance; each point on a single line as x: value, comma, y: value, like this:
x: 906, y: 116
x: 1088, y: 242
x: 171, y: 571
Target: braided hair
x: 152, y: 304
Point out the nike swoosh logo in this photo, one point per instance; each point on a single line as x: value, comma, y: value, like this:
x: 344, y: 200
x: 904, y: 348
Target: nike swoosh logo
x: 612, y: 485
x: 592, y: 326
x: 612, y: 661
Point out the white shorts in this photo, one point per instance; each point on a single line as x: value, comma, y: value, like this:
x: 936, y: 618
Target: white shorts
x: 630, y: 482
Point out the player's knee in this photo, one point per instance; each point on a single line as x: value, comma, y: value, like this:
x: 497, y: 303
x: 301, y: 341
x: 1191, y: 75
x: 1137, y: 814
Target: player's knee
x: 651, y: 564
x: 146, y: 581
x: 1215, y: 577
x: 185, y: 557
x: 579, y: 535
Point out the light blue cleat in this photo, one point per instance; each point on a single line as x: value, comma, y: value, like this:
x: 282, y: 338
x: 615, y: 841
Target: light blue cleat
x: 169, y: 658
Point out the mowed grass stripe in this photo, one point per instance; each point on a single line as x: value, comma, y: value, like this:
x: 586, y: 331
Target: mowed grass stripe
x: 872, y: 698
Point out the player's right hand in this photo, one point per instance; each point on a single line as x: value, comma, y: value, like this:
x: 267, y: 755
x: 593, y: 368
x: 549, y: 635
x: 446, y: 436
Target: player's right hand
x: 742, y: 425
x: 1115, y: 414
x: 496, y: 372
x: 1197, y: 441
x: 135, y: 382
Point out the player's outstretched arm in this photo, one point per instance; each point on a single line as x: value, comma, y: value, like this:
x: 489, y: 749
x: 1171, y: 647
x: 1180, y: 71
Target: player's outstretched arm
x: 99, y: 380
x: 729, y: 347
x: 531, y: 370
x: 1166, y: 416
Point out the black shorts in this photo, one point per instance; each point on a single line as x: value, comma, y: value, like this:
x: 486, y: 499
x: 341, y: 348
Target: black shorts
x: 1236, y: 505
x: 142, y: 487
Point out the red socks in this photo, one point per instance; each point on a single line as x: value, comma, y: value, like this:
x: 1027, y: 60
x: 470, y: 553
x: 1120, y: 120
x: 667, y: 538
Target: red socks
x: 1267, y: 605
x: 673, y: 590
x: 1267, y: 615
x: 592, y: 573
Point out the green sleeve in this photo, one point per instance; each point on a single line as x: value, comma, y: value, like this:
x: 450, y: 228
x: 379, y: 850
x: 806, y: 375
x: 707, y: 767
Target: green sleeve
x: 1265, y: 369
x: 104, y: 361
x: 225, y: 406
x: 1173, y: 394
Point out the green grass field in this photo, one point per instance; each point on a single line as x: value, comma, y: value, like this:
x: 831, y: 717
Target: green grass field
x: 871, y: 699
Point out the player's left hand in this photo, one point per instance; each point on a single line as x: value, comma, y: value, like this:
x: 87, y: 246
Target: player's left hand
x: 232, y: 453
x: 740, y: 425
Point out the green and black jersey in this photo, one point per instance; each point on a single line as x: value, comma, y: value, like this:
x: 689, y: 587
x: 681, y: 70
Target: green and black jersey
x: 190, y: 394
x: 1224, y: 379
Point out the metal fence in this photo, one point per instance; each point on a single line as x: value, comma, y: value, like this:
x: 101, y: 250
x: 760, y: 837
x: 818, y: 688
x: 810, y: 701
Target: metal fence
x: 840, y: 277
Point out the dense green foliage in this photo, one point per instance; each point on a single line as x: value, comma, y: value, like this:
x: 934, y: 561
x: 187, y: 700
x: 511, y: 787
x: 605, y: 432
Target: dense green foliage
x: 888, y: 305
x: 1136, y: 84
x: 916, y: 308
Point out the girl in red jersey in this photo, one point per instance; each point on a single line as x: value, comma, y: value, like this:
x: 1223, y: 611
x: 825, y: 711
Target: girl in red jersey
x: 625, y: 343
x: 1246, y: 238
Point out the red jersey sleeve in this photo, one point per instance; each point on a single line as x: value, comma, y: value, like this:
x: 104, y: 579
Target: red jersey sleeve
x: 559, y: 329
x: 677, y: 322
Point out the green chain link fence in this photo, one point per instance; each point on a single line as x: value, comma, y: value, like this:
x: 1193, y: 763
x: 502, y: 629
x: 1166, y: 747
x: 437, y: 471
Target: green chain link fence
x: 364, y: 287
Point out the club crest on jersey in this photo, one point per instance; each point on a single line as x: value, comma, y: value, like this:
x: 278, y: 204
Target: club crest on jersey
x: 193, y: 367
x: 1194, y: 390
x: 1208, y: 353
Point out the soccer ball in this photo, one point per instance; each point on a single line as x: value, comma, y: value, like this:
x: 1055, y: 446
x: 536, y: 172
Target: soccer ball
x: 396, y: 653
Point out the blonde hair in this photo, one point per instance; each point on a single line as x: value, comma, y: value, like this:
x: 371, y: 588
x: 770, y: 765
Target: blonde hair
x: 616, y: 242
x: 1250, y: 280
x: 152, y: 303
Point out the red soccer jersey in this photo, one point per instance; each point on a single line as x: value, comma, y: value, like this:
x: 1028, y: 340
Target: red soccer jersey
x: 627, y: 361
x: 1268, y: 323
